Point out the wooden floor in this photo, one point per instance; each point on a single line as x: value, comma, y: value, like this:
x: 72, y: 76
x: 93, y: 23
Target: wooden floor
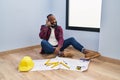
x: 98, y: 68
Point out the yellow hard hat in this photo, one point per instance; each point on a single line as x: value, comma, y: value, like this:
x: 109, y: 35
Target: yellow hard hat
x: 26, y: 64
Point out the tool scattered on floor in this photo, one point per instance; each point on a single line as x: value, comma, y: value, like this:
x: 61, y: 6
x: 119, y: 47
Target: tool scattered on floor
x: 78, y: 67
x: 54, y: 64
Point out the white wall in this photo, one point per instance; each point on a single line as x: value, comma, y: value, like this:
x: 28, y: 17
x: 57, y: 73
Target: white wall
x: 110, y: 29
x: 20, y: 21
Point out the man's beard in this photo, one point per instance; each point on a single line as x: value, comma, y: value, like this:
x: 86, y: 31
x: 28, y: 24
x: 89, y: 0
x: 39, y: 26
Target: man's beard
x: 54, y: 25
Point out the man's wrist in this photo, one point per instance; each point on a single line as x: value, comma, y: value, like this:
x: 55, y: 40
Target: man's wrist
x: 46, y: 25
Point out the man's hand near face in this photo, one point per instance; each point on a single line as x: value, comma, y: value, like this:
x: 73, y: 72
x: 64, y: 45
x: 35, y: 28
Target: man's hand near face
x: 48, y: 24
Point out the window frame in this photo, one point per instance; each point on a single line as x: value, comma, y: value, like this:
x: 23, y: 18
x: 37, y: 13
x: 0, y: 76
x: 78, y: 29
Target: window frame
x: 75, y: 27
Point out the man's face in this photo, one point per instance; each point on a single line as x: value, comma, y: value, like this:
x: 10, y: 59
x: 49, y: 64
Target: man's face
x: 53, y: 21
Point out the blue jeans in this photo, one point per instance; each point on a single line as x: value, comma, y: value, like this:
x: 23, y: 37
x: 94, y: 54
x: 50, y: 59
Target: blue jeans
x: 48, y: 48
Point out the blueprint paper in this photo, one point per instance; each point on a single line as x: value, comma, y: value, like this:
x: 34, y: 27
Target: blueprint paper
x: 72, y: 63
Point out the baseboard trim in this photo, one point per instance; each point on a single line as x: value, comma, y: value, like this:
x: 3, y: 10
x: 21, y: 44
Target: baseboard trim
x: 19, y: 50
x: 110, y: 60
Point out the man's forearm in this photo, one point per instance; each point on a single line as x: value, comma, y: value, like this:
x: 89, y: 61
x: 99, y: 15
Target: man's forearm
x: 43, y: 32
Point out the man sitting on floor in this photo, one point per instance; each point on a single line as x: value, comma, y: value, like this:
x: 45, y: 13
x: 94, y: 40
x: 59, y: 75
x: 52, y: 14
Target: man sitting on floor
x: 53, y: 42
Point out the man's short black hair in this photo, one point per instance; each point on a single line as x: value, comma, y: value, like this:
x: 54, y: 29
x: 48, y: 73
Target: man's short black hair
x: 49, y: 15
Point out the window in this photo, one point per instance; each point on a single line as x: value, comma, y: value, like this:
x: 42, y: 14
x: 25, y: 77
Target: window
x: 83, y: 15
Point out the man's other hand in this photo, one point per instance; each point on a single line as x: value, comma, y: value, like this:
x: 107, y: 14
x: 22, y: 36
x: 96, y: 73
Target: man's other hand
x: 57, y: 49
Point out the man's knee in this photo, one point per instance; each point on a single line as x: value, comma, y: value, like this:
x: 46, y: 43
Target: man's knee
x: 72, y: 38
